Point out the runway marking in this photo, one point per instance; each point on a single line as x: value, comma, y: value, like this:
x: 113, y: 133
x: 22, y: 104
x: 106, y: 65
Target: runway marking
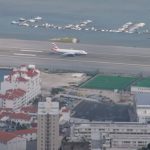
x: 90, y: 52
x: 92, y: 61
x: 20, y: 54
x: 24, y: 50
x: 77, y: 60
x: 123, y: 55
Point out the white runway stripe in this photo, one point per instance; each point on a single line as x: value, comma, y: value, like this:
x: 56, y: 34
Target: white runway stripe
x: 20, y: 54
x: 24, y: 50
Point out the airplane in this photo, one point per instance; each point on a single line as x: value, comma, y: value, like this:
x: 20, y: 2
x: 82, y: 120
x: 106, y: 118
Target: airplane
x: 67, y: 52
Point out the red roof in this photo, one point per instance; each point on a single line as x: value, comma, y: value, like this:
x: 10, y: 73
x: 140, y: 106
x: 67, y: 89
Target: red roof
x: 5, y: 136
x: 28, y: 72
x: 12, y: 94
x: 31, y: 72
x: 3, y: 114
x: 26, y: 131
x: 20, y: 116
x: 65, y: 110
x: 29, y: 109
x: 16, y: 116
x: 21, y: 79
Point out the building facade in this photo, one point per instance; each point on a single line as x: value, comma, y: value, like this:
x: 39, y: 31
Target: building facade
x: 20, y: 87
x: 112, y: 135
x: 142, y: 96
x: 10, y: 141
x: 28, y: 134
x: 48, y: 125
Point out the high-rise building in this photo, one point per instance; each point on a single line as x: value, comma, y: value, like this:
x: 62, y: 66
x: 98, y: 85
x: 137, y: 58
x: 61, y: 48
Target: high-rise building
x: 48, y: 125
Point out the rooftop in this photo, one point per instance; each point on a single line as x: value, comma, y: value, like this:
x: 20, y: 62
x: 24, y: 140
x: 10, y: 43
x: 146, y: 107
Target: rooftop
x: 12, y: 94
x: 68, y: 145
x: 18, y: 116
x: 48, y: 107
x: 22, y: 73
x: 145, y: 82
x: 65, y: 110
x: 26, y: 131
x: 5, y: 136
x: 104, y: 111
x: 29, y: 109
x: 142, y: 99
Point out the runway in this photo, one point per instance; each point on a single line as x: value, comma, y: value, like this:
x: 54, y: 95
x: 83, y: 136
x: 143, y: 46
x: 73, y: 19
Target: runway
x: 107, y: 59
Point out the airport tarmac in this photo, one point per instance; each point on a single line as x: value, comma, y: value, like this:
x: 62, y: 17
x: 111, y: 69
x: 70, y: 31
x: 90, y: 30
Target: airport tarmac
x: 108, y: 59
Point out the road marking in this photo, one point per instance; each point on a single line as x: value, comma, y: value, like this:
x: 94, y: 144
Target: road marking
x: 24, y: 50
x: 20, y: 54
x: 123, y: 55
x: 100, y: 62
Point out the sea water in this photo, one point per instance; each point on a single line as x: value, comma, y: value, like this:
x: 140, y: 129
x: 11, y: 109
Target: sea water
x: 3, y: 72
x: 105, y: 14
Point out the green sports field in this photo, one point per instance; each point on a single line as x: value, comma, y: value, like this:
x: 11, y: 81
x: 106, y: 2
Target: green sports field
x: 145, y: 82
x: 108, y: 82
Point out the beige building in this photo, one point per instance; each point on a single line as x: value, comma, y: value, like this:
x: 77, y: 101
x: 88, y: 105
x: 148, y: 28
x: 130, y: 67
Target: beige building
x: 48, y: 125
x: 112, y: 135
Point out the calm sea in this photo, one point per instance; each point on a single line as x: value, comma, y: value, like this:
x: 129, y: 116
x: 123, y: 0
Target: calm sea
x: 105, y: 14
x: 3, y: 72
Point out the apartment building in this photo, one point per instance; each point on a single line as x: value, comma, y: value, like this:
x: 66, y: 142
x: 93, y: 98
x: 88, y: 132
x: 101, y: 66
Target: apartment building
x: 48, y: 125
x: 113, y: 135
x: 16, y: 117
x: 20, y: 87
x: 28, y: 134
x: 13, y: 98
x: 142, y: 96
x: 10, y: 141
x: 143, y: 107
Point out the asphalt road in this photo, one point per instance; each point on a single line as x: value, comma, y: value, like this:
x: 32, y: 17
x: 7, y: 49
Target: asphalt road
x: 108, y: 59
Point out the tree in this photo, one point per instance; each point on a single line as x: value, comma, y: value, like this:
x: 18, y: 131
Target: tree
x: 55, y: 91
x: 23, y: 126
x: 18, y: 126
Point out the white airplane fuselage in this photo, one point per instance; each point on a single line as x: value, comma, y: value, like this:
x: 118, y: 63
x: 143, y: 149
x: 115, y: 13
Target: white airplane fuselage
x: 72, y: 51
x: 67, y: 52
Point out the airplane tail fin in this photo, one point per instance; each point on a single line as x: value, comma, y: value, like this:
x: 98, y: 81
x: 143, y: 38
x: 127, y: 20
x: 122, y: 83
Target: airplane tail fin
x: 54, y: 47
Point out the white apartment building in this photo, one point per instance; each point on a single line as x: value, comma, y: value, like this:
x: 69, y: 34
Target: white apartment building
x: 10, y: 141
x: 48, y: 125
x: 126, y: 142
x: 13, y: 98
x: 113, y: 135
x: 25, y: 78
x: 142, y: 96
x: 143, y: 107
